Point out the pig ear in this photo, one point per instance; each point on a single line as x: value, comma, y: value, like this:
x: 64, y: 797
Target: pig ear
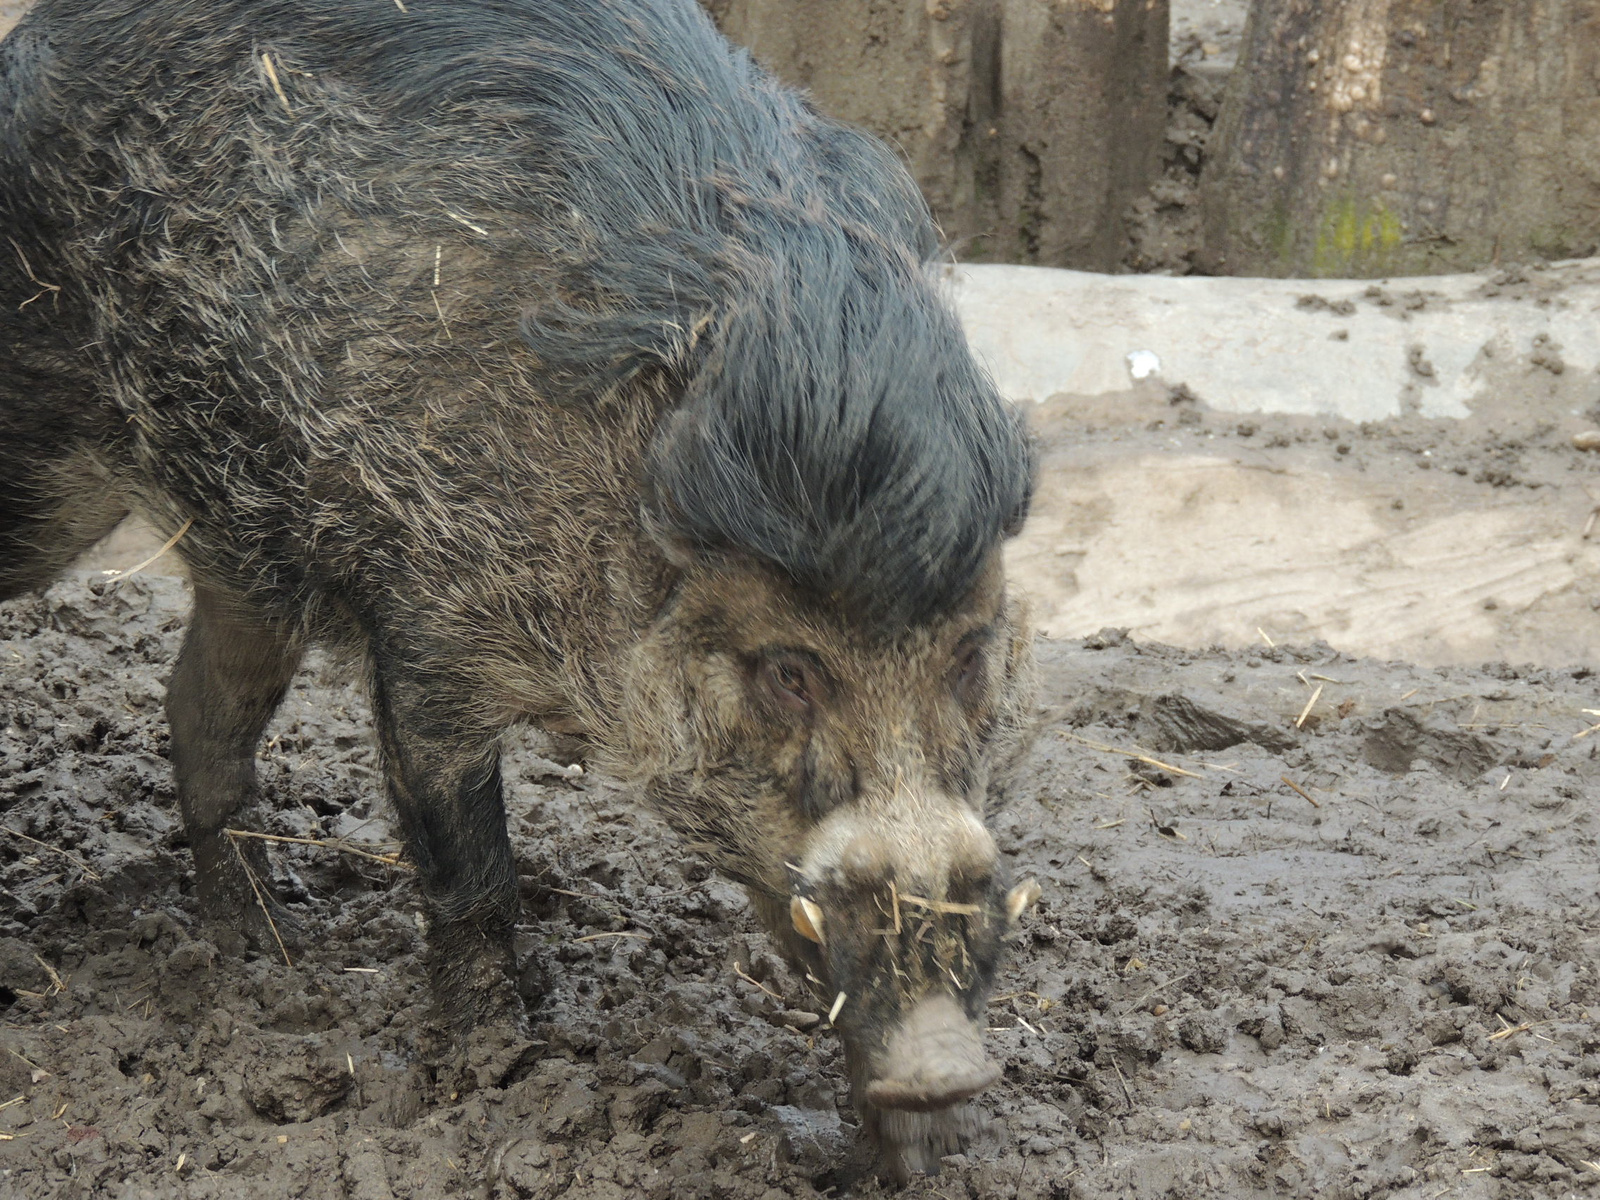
x: 585, y: 357
x: 645, y: 302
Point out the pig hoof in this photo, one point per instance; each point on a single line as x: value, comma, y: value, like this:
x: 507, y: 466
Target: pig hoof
x: 474, y: 982
x: 493, y: 1004
x: 248, y: 928
x: 237, y: 900
x: 493, y: 1054
x: 499, y: 1054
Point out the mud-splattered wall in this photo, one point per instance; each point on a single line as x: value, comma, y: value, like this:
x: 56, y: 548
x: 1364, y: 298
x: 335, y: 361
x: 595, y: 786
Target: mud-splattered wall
x: 1030, y: 124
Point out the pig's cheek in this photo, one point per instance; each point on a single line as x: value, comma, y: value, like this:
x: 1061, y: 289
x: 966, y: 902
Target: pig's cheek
x: 790, y: 765
x: 659, y: 718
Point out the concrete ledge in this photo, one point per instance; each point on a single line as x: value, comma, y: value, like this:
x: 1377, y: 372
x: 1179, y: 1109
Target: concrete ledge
x: 1359, y: 349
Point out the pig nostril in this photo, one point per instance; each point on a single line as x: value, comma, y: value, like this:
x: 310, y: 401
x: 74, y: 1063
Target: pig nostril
x: 928, y: 1094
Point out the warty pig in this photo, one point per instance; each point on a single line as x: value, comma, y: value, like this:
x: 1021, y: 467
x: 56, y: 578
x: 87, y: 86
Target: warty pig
x: 551, y: 357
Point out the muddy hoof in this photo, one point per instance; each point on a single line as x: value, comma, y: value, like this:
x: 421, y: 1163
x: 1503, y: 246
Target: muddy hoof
x: 475, y: 980
x: 236, y: 899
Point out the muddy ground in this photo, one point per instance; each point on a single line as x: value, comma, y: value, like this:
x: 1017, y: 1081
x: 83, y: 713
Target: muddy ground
x: 1354, y: 956
x: 1357, y: 957
x: 1434, y: 540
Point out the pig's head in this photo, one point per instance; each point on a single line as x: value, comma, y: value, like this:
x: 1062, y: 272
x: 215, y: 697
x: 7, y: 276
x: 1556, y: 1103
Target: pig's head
x: 843, y: 780
x: 836, y: 675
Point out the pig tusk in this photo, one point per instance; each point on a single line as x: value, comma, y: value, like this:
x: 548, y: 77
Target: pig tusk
x: 807, y: 918
x: 1021, y: 898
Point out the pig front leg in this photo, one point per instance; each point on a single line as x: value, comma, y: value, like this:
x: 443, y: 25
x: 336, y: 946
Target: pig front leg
x: 443, y: 776
x: 230, y: 675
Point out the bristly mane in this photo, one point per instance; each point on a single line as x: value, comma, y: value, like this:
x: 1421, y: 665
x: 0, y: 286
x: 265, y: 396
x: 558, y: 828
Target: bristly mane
x: 707, y: 223
x: 839, y: 429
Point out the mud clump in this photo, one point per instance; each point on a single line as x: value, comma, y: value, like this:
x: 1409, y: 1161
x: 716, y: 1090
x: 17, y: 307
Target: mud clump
x: 1164, y: 230
x: 1226, y: 990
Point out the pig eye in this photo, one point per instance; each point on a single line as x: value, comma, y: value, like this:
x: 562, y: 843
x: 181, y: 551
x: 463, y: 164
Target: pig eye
x: 792, y: 682
x: 967, y: 673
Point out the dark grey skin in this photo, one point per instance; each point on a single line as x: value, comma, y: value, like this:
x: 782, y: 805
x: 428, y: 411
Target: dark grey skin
x: 563, y: 368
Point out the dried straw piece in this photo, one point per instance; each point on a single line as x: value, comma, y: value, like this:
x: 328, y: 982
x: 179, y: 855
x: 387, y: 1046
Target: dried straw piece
x: 838, y: 1006
x: 57, y: 983
x: 941, y: 906
x: 1512, y: 1029
x: 71, y: 858
x: 1310, y: 704
x: 388, y: 860
x: 255, y: 887
x: 737, y: 970
x: 165, y: 546
x: 1300, y: 789
x: 1144, y: 758
x: 272, y: 76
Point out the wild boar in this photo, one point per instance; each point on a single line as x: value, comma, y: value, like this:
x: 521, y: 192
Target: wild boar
x: 554, y: 360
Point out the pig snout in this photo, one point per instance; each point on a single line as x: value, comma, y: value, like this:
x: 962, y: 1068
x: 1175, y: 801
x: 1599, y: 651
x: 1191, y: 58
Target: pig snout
x: 934, y: 1060
x: 901, y: 920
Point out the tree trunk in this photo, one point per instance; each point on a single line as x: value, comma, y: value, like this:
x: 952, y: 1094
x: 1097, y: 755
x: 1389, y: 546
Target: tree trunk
x: 1083, y: 107
x: 905, y: 71
x: 1029, y: 124
x: 1406, y: 137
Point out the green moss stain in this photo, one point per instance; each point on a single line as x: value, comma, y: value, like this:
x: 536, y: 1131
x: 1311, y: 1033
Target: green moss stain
x: 1278, y: 230
x: 1560, y: 241
x: 1355, y: 238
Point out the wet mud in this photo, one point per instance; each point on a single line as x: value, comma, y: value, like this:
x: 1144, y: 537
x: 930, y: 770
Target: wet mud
x: 1312, y: 925
x: 1434, y: 540
x: 1336, y: 934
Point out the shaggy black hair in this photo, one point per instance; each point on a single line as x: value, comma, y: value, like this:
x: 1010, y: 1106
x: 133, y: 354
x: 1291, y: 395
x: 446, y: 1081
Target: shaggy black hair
x: 834, y: 423
x: 840, y: 430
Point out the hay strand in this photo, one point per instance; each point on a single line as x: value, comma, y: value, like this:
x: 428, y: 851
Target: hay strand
x: 71, y: 858
x: 1144, y: 758
x: 261, y: 899
x: 165, y: 546
x: 272, y: 76
x: 343, y: 847
x: 1301, y: 790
